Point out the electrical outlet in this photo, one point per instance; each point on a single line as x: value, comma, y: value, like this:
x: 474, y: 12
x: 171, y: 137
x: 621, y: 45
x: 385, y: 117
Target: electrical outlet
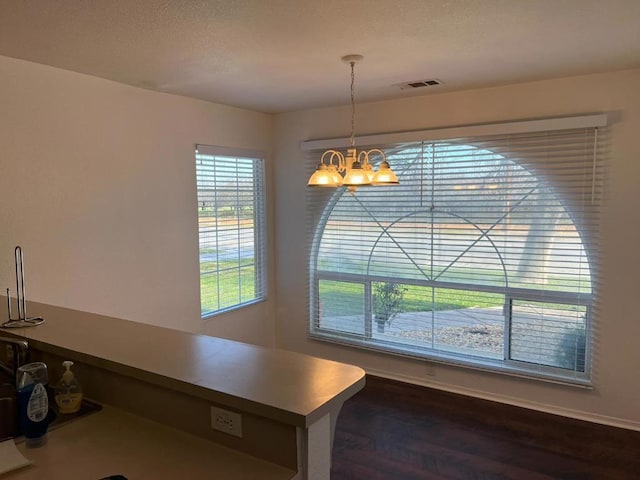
x: 226, y: 421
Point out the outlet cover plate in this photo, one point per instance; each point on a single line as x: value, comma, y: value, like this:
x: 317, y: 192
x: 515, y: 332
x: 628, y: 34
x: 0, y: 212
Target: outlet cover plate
x: 226, y: 421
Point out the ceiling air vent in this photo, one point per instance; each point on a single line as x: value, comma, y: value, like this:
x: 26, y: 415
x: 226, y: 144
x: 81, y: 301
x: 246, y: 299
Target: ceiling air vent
x: 420, y: 83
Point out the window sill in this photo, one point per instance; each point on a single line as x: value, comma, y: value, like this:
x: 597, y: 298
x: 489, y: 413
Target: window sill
x: 514, y: 369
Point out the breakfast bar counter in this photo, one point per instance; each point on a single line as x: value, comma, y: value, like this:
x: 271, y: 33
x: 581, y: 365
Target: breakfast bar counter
x: 289, y: 401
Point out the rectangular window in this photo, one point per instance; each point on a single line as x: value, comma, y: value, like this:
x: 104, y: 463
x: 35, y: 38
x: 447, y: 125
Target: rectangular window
x: 231, y: 227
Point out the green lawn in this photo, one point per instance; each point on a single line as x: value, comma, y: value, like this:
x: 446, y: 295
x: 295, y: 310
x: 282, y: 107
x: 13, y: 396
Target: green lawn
x: 227, y: 285
x: 343, y: 298
x: 235, y: 283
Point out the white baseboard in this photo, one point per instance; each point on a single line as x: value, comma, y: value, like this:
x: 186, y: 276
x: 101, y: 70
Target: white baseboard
x: 517, y: 402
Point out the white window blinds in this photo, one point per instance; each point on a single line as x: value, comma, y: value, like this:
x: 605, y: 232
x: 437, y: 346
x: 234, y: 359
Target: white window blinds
x: 485, y: 255
x: 231, y: 223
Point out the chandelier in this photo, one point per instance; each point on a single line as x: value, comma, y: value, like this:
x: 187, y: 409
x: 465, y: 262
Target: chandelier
x: 355, y: 169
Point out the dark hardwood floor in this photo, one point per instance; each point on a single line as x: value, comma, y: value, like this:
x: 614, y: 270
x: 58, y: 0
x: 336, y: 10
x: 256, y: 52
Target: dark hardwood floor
x: 392, y: 430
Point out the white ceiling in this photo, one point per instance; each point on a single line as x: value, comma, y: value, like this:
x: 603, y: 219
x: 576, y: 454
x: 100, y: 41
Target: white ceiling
x: 281, y: 55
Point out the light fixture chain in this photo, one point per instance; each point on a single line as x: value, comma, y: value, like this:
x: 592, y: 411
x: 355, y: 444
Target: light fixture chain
x: 353, y: 106
x: 352, y: 170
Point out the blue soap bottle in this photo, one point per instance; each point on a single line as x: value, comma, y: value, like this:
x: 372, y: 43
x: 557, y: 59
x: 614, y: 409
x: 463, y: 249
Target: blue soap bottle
x: 33, y: 403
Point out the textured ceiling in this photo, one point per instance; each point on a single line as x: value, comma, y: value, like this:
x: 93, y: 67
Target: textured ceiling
x: 281, y: 55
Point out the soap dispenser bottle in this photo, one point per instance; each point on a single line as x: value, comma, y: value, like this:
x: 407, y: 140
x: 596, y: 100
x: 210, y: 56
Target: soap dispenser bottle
x: 33, y: 403
x: 68, y: 393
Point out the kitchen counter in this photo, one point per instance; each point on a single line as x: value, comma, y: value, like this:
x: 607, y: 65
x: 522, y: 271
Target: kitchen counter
x: 114, y: 442
x: 290, y: 387
x: 289, y: 401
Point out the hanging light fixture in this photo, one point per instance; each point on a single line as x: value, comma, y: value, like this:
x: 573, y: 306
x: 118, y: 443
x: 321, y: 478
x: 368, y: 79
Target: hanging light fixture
x: 353, y: 170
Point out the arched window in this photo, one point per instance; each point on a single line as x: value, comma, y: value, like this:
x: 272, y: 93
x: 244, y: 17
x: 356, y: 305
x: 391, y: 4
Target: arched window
x: 483, y: 256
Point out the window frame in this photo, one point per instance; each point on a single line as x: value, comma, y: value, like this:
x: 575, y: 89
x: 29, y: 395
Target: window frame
x: 259, y: 225
x: 506, y: 365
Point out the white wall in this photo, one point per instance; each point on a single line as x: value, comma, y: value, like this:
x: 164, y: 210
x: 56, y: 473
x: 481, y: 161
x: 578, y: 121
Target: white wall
x: 97, y: 184
x: 617, y: 382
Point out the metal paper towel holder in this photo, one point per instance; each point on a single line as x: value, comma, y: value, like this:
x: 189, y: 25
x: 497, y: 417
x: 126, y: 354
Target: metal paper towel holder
x: 23, y: 320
